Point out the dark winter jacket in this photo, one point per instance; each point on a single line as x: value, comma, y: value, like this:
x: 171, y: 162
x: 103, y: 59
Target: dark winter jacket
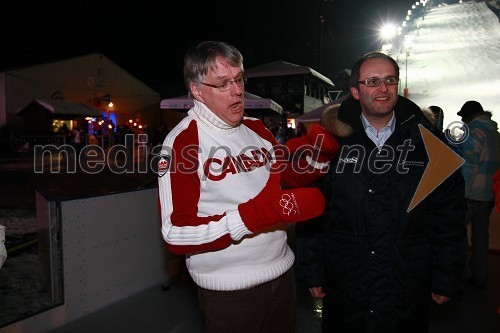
x: 378, y: 262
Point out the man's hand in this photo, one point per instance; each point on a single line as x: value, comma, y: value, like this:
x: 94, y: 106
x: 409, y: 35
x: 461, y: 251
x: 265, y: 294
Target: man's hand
x: 318, y: 144
x: 317, y: 292
x: 439, y: 299
x: 274, y: 205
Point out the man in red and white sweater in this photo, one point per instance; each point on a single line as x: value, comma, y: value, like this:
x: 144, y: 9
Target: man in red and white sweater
x: 221, y: 201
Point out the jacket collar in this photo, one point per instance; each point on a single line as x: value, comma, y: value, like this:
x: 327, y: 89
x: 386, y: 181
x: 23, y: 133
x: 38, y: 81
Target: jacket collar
x: 405, y: 111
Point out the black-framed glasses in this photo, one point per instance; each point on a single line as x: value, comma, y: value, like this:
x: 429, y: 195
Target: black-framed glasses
x: 377, y: 81
x: 226, y: 85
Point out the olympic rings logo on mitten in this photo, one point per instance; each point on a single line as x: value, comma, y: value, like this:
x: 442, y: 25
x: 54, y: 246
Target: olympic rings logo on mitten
x: 289, y: 204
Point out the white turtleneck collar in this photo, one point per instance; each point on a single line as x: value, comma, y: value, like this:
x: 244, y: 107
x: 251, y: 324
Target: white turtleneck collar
x: 210, y: 119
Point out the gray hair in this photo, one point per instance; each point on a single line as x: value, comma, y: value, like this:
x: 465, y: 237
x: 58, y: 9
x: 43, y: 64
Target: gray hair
x: 200, y: 58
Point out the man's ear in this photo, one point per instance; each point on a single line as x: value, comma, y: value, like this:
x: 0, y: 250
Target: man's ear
x: 355, y: 93
x: 196, y: 92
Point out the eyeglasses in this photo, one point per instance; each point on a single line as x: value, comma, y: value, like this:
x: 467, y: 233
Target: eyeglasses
x: 377, y: 81
x: 226, y: 85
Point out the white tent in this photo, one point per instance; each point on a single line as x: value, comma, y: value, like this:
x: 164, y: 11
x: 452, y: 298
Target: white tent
x: 61, y: 109
x: 315, y: 115
x: 283, y: 68
x: 88, y: 79
x: 252, y: 102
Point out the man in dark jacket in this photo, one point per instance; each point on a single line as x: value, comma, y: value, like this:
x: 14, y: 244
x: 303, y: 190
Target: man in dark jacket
x: 377, y: 264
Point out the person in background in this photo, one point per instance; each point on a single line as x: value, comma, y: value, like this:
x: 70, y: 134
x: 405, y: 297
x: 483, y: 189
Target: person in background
x: 439, y: 116
x: 376, y: 263
x: 78, y: 138
x: 221, y: 203
x: 280, y: 135
x: 306, y: 234
x: 496, y: 191
x: 436, y: 116
x: 481, y: 152
x: 66, y: 133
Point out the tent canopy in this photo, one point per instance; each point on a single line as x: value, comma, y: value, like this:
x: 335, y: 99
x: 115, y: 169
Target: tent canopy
x: 283, y: 68
x: 252, y: 102
x: 315, y: 115
x: 60, y: 109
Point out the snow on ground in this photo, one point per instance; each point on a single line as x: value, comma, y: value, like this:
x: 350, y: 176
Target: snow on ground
x: 455, y: 57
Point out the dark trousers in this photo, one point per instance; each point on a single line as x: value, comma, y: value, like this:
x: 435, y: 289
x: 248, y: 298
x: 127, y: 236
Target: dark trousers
x: 478, y: 215
x: 269, y: 307
x: 336, y: 317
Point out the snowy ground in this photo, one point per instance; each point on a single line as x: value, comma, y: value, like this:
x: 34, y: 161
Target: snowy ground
x: 455, y: 57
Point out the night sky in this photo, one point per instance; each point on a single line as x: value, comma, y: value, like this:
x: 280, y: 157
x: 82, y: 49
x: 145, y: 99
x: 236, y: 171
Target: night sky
x: 149, y: 38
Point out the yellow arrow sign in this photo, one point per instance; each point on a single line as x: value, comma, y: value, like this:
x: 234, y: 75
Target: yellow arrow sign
x: 443, y: 161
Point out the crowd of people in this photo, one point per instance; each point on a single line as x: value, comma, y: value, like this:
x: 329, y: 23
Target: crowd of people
x: 106, y: 134
x: 228, y: 188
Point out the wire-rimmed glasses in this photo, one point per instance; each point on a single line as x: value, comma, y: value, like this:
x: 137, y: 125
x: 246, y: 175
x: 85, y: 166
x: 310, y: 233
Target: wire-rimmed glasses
x: 377, y: 81
x: 226, y: 85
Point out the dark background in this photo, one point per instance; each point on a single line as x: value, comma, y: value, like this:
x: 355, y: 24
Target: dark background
x: 149, y: 38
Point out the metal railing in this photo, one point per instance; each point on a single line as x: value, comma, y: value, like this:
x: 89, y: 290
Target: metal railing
x: 26, y: 143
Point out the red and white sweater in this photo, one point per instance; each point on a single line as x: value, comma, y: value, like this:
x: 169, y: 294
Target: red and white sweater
x: 207, y: 168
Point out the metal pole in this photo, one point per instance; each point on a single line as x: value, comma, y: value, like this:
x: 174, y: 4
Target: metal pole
x: 321, y: 19
x: 406, y: 74
x: 406, y: 70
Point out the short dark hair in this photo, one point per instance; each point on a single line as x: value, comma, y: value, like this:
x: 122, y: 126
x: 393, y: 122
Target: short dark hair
x: 355, y: 76
x: 200, y: 58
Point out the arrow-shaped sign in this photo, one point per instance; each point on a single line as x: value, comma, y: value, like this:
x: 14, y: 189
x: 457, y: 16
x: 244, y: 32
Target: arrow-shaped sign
x: 443, y: 161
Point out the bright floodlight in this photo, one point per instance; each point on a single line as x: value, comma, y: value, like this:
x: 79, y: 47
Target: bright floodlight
x: 388, y: 31
x: 386, y: 47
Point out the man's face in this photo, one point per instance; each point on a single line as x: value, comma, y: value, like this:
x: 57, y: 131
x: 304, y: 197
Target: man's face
x: 376, y: 101
x: 227, y: 105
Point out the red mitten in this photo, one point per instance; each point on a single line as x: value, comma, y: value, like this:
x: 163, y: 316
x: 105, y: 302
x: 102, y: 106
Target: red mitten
x: 273, y: 205
x: 317, y: 143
